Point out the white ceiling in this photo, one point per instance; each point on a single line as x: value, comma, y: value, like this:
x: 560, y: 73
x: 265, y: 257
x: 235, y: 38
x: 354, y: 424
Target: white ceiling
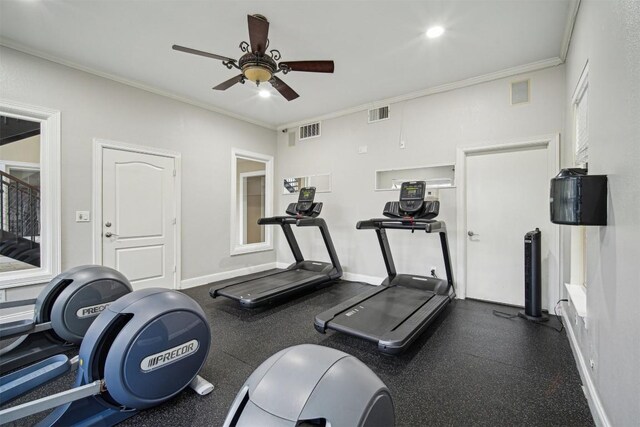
x: 379, y: 47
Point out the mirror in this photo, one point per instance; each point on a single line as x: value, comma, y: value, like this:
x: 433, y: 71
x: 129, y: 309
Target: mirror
x: 321, y: 182
x: 29, y: 194
x: 439, y: 176
x: 20, y: 194
x: 252, y: 199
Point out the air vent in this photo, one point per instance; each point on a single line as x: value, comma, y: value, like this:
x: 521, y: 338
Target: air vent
x: 377, y: 114
x: 520, y: 92
x: 312, y: 130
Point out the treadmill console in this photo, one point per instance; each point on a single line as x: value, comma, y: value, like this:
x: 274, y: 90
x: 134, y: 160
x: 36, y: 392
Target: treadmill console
x: 305, y: 199
x: 412, y: 196
x: 305, y: 206
x: 412, y: 203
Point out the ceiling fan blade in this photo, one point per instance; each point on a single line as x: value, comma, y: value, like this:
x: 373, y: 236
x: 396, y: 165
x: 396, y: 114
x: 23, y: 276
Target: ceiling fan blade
x: 229, y: 83
x: 201, y: 53
x: 310, y: 66
x: 258, y: 33
x: 284, y: 89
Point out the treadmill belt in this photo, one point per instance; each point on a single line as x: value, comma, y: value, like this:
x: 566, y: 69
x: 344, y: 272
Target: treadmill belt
x: 384, y: 311
x: 262, y: 286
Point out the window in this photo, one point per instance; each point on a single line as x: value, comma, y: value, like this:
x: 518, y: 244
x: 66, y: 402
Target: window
x: 321, y: 182
x: 251, y: 199
x: 580, y: 102
x: 29, y: 194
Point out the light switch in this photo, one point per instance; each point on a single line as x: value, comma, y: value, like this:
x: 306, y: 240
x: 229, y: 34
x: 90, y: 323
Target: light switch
x: 83, y: 216
x: 362, y: 149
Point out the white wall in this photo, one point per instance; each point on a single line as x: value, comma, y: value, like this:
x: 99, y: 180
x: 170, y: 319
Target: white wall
x: 433, y: 127
x: 94, y: 107
x: 607, y: 34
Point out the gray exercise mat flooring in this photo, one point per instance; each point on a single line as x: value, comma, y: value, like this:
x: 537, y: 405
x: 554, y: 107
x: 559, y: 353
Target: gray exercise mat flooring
x: 469, y: 368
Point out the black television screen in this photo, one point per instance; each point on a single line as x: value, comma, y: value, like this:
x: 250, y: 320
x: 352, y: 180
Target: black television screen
x: 578, y: 199
x: 565, y: 202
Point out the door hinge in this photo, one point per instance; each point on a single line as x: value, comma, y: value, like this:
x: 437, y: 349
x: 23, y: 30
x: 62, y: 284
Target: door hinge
x: 175, y: 268
x: 174, y: 221
x: 174, y: 172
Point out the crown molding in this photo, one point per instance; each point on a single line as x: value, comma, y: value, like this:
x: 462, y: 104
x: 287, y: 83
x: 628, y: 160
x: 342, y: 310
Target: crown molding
x: 508, y: 72
x: 574, y: 5
x: 133, y: 83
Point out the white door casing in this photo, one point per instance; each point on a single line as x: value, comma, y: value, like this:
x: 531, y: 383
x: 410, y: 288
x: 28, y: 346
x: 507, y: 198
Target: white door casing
x: 503, y: 193
x: 136, y: 224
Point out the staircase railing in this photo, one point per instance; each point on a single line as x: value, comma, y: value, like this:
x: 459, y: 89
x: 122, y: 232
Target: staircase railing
x: 19, y: 208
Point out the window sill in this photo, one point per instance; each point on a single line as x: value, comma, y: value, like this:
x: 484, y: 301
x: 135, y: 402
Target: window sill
x: 578, y: 297
x: 251, y: 248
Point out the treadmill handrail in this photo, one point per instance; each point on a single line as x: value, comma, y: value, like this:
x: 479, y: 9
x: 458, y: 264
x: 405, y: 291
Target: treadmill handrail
x: 428, y: 225
x: 304, y: 221
x: 277, y: 220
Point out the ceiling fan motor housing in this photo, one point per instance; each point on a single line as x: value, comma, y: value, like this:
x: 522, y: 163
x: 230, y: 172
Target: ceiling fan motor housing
x: 257, y: 68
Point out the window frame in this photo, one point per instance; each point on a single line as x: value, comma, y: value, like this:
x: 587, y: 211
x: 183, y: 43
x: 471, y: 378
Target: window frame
x: 580, y: 151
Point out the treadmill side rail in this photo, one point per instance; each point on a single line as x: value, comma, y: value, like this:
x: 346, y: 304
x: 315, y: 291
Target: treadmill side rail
x: 399, y: 339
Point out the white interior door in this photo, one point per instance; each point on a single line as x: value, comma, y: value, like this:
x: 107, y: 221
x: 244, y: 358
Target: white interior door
x: 507, y: 196
x: 138, y: 215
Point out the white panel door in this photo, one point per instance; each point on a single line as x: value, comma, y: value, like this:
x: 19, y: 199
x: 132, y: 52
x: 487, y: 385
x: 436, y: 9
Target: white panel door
x: 507, y: 196
x: 138, y: 213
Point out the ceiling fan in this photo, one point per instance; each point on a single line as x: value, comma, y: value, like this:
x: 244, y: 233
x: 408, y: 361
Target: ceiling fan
x: 257, y: 65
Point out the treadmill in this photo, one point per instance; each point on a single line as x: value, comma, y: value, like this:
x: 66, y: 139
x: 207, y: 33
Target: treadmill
x: 395, y: 313
x: 257, y: 289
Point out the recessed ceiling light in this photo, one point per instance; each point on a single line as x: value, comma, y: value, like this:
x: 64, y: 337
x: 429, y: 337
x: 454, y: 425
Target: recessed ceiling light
x: 434, y: 32
x: 264, y: 93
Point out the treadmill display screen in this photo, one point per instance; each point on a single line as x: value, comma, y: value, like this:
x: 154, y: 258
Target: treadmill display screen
x: 307, y: 194
x: 412, y: 191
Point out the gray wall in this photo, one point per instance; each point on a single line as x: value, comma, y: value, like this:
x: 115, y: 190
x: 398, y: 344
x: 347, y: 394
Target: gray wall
x: 433, y: 127
x: 608, y: 35
x: 94, y: 107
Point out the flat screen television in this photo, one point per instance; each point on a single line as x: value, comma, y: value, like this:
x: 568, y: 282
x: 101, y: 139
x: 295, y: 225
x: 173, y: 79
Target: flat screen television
x: 578, y: 199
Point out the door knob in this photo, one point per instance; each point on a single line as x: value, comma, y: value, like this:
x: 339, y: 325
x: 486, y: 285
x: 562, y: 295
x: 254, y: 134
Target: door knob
x: 471, y: 233
x: 109, y: 234
x: 107, y: 224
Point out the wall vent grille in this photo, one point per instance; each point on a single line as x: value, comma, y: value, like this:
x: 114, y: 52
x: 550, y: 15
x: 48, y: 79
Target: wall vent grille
x: 520, y: 92
x: 311, y: 130
x: 377, y: 114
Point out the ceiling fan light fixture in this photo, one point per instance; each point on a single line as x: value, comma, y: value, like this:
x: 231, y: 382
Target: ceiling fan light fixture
x: 257, y: 74
x: 435, y: 31
x: 264, y: 93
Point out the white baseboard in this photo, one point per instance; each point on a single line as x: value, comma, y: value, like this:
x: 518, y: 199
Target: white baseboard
x: 353, y: 277
x: 215, y: 277
x: 14, y: 317
x: 593, y: 399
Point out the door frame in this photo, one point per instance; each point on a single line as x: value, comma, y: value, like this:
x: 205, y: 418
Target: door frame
x: 99, y: 145
x: 552, y: 144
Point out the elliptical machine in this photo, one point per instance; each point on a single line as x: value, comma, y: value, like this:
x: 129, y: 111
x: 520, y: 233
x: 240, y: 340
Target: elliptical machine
x: 311, y: 385
x: 63, y: 312
x: 141, y: 351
